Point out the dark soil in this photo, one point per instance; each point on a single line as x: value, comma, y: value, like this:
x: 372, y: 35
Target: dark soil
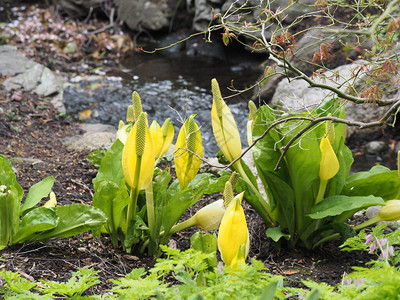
x: 31, y: 136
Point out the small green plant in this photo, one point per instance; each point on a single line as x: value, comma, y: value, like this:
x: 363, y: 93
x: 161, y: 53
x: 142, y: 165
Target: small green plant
x: 28, y: 222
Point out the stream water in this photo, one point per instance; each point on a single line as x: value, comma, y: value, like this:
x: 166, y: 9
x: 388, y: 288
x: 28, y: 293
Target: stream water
x: 170, y: 86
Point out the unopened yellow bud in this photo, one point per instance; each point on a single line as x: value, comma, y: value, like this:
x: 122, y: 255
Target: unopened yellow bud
x: 252, y: 110
x: 233, y: 231
x: 209, y: 217
x: 329, y: 165
x: 391, y: 211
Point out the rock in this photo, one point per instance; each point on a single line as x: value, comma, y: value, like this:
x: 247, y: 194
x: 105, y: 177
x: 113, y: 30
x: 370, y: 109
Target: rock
x: 376, y: 147
x: 30, y: 76
x: 145, y: 14
x: 298, y: 96
x: 95, y: 137
x: 78, y: 8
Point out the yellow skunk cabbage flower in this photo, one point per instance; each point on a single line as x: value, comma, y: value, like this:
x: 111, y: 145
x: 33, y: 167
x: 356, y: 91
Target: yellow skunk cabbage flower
x: 52, y: 202
x: 209, y: 217
x: 390, y: 212
x: 233, y: 232
x: 138, y: 155
x: 224, y: 126
x: 188, y: 149
x: 162, y: 136
x: 329, y: 165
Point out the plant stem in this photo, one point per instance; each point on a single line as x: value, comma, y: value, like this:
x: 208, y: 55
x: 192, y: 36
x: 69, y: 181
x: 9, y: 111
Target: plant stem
x: 183, y: 225
x: 262, y: 207
x: 321, y: 191
x: 151, y: 216
x: 134, y: 194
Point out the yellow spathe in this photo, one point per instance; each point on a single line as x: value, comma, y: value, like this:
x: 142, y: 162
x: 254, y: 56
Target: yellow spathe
x: 329, y: 165
x: 224, y: 126
x: 233, y: 231
x: 188, y: 149
x: 138, y: 155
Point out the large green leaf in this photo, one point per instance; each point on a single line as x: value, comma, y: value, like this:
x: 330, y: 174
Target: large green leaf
x: 34, y: 222
x: 216, y: 184
x: 379, y: 181
x: 111, y: 166
x: 74, y: 219
x: 337, y: 205
x: 112, y: 200
x: 37, y: 192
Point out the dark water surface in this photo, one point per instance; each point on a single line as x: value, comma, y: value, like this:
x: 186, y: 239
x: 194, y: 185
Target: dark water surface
x: 170, y: 86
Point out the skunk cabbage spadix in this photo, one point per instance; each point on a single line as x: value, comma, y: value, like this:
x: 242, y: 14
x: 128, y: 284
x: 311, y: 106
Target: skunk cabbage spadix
x: 233, y: 231
x: 329, y: 165
x: 138, y: 155
x: 224, y: 126
x: 188, y: 149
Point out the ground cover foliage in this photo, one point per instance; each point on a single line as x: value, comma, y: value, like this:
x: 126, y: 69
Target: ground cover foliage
x: 193, y: 273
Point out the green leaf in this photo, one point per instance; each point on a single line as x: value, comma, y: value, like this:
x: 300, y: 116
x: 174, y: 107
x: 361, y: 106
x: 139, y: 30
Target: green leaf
x: 379, y: 181
x: 336, y: 205
x: 216, y: 184
x: 275, y: 233
x: 37, y: 192
x: 111, y: 166
x: 96, y: 157
x: 269, y: 292
x: 9, y: 215
x: 112, y: 200
x: 34, y: 222
x: 74, y: 219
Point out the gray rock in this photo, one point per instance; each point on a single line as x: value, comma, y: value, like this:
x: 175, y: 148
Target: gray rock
x: 95, y: 136
x: 298, y: 96
x: 145, y: 14
x: 376, y: 147
x: 30, y: 76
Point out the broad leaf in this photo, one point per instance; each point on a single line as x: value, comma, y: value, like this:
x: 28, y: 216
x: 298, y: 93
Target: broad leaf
x: 34, y: 222
x: 37, y: 192
x: 336, y: 205
x: 74, y: 219
x: 275, y: 233
x: 379, y: 181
